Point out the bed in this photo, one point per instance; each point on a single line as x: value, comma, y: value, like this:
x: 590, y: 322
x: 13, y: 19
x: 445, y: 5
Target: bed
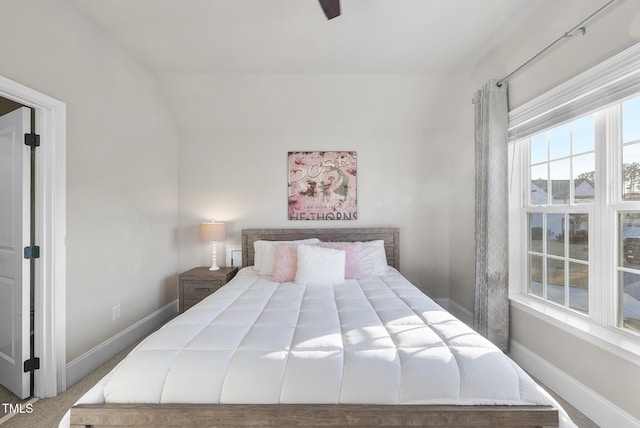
x: 261, y: 352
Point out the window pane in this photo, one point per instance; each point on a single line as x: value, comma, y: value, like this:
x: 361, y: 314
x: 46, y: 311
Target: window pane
x: 584, y: 167
x: 555, y: 281
x: 579, y: 287
x: 535, y: 232
x: 539, y: 185
x: 559, y: 171
x: 555, y: 234
x: 631, y: 120
x: 631, y: 174
x: 629, y: 236
x: 629, y: 282
x: 579, y: 236
x: 559, y: 140
x: 539, y: 148
x: 630, y: 300
x: 535, y: 275
x: 583, y: 135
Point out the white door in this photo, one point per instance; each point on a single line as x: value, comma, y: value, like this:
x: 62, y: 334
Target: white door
x: 14, y: 237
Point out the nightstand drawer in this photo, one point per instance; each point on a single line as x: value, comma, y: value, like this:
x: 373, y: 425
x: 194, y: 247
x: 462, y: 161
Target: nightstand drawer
x: 197, y: 283
x: 200, y: 289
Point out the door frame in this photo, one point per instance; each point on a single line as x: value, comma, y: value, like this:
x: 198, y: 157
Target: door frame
x: 50, y: 214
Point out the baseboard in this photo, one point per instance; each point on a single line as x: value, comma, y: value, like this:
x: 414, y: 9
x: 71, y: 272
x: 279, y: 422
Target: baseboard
x: 595, y: 407
x: 94, y: 358
x: 457, y: 310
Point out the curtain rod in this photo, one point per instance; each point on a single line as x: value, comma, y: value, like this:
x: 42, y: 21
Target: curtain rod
x: 580, y: 26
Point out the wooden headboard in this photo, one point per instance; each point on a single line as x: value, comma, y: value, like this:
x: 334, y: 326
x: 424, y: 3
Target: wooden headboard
x: 390, y: 235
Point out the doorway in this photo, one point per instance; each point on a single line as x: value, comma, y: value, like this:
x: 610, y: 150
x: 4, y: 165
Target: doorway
x: 49, y: 272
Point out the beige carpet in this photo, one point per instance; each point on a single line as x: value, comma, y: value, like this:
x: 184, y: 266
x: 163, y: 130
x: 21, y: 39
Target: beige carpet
x: 48, y: 412
x: 578, y: 418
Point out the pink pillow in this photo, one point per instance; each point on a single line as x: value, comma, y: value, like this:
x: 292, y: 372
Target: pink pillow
x: 352, y: 260
x: 285, y: 263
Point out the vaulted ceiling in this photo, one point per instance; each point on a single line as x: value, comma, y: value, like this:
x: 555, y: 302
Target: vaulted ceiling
x: 281, y: 63
x: 294, y: 36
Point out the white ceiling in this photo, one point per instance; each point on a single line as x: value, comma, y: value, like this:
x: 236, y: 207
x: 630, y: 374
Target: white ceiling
x: 280, y: 63
x: 293, y: 36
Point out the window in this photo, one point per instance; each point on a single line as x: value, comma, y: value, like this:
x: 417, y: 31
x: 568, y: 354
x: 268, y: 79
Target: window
x: 629, y: 221
x: 567, y: 206
x: 561, y: 181
x: 574, y: 220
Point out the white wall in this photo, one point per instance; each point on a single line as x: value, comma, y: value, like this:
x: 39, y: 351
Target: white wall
x: 236, y: 131
x: 121, y: 167
x: 604, y: 373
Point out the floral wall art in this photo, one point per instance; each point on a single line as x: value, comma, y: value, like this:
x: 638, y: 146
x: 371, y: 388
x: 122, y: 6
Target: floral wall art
x: 322, y: 185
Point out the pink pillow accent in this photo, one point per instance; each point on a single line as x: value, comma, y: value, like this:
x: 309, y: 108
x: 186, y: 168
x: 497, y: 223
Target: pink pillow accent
x: 352, y: 260
x: 285, y: 263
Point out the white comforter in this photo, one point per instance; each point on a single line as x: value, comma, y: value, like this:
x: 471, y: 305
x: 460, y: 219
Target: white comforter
x: 375, y: 340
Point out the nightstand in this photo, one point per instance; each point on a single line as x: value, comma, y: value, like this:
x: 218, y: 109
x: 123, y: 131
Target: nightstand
x: 197, y: 283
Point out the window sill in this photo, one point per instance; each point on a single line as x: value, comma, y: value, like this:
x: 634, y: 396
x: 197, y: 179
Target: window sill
x: 620, y: 343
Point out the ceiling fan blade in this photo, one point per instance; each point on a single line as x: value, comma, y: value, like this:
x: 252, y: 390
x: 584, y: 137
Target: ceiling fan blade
x: 331, y: 8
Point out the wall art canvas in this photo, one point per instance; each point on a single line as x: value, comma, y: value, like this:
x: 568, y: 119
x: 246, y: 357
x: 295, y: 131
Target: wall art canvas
x: 322, y: 185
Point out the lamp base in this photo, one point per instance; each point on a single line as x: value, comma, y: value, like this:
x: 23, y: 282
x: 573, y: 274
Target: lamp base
x: 214, y: 257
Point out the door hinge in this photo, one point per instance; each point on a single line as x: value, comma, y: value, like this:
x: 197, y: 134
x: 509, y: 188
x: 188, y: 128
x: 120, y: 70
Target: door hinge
x: 31, y: 364
x: 32, y: 252
x: 32, y: 140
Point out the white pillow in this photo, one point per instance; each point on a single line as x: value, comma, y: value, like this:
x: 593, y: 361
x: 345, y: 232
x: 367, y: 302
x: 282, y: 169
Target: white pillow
x: 373, y: 258
x: 320, y: 266
x: 265, y: 253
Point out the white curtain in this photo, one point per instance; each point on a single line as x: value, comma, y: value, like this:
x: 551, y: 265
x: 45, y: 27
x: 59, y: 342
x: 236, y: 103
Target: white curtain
x: 491, y: 298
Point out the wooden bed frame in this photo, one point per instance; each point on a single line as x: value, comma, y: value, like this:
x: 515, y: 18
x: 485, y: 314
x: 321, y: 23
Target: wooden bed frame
x: 311, y: 415
x: 390, y: 236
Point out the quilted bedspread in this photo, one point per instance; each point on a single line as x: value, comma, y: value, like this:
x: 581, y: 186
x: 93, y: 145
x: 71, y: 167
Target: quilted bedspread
x: 375, y: 340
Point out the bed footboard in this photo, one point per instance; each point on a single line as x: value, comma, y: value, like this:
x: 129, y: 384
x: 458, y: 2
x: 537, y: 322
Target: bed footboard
x: 303, y: 415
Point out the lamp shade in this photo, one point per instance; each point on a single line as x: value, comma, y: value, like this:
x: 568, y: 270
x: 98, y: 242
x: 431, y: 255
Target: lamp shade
x: 211, y: 231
